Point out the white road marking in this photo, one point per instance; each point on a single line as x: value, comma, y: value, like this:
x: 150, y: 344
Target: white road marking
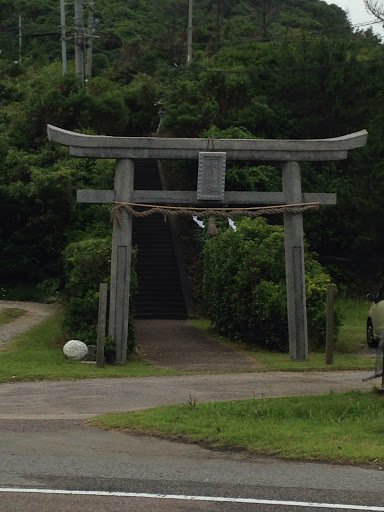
x: 217, y: 499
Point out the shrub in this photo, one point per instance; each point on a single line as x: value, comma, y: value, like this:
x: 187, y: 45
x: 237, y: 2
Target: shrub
x: 87, y: 264
x: 243, y: 287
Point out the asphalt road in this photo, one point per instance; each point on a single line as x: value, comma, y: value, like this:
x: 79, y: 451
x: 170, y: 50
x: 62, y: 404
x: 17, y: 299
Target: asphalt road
x: 46, y: 446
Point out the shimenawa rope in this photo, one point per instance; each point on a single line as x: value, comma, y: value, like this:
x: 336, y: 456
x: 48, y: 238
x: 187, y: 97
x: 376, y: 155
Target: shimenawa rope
x: 174, y: 211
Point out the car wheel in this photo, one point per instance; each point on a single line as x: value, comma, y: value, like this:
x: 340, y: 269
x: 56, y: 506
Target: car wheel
x: 371, y: 340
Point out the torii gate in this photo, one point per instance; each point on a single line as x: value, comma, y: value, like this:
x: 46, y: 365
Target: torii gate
x: 288, y: 153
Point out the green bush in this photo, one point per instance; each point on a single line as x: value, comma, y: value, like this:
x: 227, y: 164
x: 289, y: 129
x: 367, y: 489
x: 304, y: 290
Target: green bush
x: 243, y: 287
x: 87, y: 264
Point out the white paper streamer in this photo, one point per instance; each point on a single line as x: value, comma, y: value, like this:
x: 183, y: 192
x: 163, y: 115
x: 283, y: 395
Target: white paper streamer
x: 200, y: 223
x: 232, y: 224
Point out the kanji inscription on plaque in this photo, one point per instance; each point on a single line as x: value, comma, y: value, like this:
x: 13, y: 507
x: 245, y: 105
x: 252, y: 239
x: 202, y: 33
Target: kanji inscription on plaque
x: 211, y: 177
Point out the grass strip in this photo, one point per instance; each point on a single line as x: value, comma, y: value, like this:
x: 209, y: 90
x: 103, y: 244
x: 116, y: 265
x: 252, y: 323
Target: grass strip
x: 37, y: 355
x: 345, y: 356
x: 354, y: 313
x: 8, y: 315
x: 343, y: 428
x: 275, y: 361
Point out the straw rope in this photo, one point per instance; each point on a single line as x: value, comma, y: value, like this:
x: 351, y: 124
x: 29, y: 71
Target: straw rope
x: 174, y: 211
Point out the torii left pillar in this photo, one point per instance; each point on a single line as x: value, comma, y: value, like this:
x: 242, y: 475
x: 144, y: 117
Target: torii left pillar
x: 121, y: 261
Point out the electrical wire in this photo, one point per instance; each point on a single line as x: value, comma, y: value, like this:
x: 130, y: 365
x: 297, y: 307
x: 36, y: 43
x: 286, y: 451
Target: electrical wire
x: 282, y: 70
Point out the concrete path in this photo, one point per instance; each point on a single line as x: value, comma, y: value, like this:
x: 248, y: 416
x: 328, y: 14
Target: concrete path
x: 178, y: 345
x: 35, y: 313
x: 85, y: 398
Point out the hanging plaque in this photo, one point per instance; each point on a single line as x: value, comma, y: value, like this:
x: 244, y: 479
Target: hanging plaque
x: 211, y: 177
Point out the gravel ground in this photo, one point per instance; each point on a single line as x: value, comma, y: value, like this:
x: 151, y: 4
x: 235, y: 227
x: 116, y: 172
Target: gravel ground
x: 35, y: 313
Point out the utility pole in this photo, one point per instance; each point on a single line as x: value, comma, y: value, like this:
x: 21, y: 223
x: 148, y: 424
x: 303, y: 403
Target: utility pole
x: 79, y: 39
x: 63, y: 37
x: 190, y: 32
x: 20, y: 39
x: 91, y: 29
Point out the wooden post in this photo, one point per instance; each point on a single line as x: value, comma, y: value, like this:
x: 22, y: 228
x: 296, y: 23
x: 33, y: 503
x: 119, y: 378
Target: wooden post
x: 103, y: 296
x: 121, y: 261
x: 294, y: 265
x: 330, y: 338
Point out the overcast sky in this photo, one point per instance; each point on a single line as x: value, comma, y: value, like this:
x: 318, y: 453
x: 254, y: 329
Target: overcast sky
x: 357, y: 12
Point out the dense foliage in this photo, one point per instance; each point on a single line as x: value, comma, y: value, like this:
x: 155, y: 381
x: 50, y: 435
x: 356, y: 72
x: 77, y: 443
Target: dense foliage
x: 260, y: 68
x: 140, y: 35
x: 243, y: 287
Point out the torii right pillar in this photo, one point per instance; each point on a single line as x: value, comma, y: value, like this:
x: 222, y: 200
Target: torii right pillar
x: 294, y: 265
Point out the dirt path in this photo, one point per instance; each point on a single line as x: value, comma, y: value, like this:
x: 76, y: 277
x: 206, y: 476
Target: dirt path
x: 35, y: 313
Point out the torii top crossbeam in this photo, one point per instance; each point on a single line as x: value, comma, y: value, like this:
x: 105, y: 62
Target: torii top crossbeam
x: 100, y: 146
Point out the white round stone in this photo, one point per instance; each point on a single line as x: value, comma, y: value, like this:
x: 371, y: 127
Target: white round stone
x: 75, y: 349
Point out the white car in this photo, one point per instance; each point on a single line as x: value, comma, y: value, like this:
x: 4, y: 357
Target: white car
x: 375, y: 320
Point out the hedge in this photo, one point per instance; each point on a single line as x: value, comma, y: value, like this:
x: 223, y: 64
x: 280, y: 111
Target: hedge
x: 243, y: 287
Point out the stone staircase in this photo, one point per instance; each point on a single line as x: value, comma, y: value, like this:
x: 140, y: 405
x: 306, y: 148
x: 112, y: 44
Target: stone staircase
x: 160, y: 289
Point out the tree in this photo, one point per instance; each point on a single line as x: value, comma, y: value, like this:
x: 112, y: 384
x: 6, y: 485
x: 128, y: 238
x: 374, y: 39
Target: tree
x: 266, y: 13
x: 223, y: 8
x: 375, y: 7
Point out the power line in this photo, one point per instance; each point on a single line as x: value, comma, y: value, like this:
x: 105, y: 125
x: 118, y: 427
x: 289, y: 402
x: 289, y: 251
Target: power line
x: 365, y: 23
x: 158, y: 44
x: 252, y: 71
x: 307, y: 35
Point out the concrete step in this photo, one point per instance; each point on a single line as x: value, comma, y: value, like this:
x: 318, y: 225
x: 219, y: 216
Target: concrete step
x: 160, y: 293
